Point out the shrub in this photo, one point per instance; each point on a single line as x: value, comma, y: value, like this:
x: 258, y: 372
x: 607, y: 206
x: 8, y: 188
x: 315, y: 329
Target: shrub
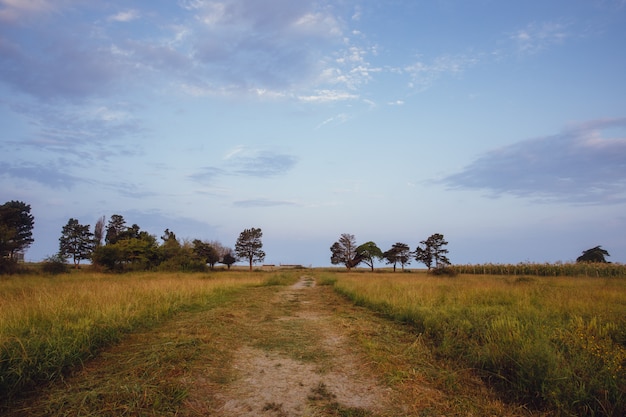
x: 54, y: 265
x: 444, y: 270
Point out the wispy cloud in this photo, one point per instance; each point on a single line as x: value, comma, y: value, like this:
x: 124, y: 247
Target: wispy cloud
x: 424, y: 74
x: 262, y: 202
x: 90, y: 131
x: 125, y: 16
x: 538, y: 36
x: 263, y: 164
x: 583, y: 164
x: 325, y: 96
x: 46, y: 174
x: 243, y: 161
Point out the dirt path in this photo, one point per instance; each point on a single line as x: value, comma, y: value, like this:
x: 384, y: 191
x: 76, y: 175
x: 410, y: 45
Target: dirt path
x: 295, y: 382
x: 273, y: 351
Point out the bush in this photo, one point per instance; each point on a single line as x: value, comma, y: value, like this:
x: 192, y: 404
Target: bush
x: 54, y: 265
x: 444, y: 270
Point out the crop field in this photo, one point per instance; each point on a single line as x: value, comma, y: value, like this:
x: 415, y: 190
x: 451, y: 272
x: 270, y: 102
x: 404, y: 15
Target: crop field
x: 49, y: 324
x: 556, y: 343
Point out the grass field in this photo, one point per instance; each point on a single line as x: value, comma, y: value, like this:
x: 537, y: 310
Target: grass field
x: 49, y: 324
x: 555, y: 343
x: 552, y: 343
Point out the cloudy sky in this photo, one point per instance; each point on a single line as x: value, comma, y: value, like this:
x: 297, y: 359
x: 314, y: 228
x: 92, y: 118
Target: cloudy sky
x: 500, y: 124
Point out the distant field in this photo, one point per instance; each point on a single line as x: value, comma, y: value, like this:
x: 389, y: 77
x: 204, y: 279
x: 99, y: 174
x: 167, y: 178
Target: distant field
x: 551, y: 342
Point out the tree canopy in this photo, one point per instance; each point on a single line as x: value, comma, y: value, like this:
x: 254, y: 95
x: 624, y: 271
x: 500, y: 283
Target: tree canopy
x: 432, y: 250
x: 16, y: 228
x: 399, y: 252
x: 596, y: 254
x: 249, y: 246
x: 76, y: 242
x: 344, y: 251
x: 368, y: 252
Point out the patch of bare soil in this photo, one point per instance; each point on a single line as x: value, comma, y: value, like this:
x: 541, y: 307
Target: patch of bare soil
x: 276, y: 384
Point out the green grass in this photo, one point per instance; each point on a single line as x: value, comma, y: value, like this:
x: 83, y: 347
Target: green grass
x: 50, y: 325
x: 556, y: 343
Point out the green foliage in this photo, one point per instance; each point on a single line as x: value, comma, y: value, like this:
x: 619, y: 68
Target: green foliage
x: 16, y: 228
x: 249, y: 246
x: 399, y: 252
x: 432, y: 250
x: 76, y: 242
x: 369, y: 252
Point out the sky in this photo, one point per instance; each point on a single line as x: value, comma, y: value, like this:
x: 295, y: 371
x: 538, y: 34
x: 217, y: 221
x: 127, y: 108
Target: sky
x: 499, y: 124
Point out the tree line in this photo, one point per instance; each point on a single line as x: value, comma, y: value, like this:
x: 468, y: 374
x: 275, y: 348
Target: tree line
x: 431, y: 252
x: 115, y: 246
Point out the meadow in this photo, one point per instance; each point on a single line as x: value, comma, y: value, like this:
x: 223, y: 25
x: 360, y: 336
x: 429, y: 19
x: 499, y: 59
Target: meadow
x: 49, y: 324
x: 553, y: 343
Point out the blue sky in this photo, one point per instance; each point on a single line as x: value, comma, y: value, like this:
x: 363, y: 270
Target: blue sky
x: 501, y: 125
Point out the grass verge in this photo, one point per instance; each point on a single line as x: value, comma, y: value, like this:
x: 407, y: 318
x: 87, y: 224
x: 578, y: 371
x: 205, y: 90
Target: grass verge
x: 538, y: 340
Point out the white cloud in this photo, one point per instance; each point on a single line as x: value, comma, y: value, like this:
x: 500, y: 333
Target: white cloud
x: 424, y: 74
x: 325, y: 96
x: 537, y: 37
x: 126, y: 16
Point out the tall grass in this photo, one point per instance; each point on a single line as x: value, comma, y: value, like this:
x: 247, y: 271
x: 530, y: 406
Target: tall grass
x: 556, y: 343
x: 48, y: 325
x: 559, y: 269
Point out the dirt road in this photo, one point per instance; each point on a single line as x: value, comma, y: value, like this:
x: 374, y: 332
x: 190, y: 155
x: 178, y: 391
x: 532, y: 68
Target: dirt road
x: 275, y: 351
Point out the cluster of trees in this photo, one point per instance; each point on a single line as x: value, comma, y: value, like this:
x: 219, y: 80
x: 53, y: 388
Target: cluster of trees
x: 16, y: 232
x: 118, y: 247
x: 431, y: 252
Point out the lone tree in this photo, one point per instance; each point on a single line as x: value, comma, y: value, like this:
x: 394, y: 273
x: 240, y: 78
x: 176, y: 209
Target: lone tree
x: 344, y: 251
x: 249, y: 246
x: 596, y: 254
x: 399, y: 252
x: 368, y: 253
x: 76, y: 242
x: 432, y: 250
x: 16, y: 229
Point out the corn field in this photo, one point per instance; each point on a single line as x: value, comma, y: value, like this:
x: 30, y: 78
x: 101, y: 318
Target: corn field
x: 601, y: 270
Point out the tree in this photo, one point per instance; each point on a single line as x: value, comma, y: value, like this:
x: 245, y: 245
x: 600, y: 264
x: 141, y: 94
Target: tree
x: 116, y: 226
x: 344, y: 251
x: 76, y: 241
x: 98, y: 232
x: 16, y: 229
x: 369, y: 252
x: 432, y: 250
x: 206, y: 252
x: 596, y: 254
x: 399, y: 252
x: 249, y: 246
x: 228, y: 259
x: 127, y: 248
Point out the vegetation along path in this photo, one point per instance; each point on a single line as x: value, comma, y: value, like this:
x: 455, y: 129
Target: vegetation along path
x: 282, y: 350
